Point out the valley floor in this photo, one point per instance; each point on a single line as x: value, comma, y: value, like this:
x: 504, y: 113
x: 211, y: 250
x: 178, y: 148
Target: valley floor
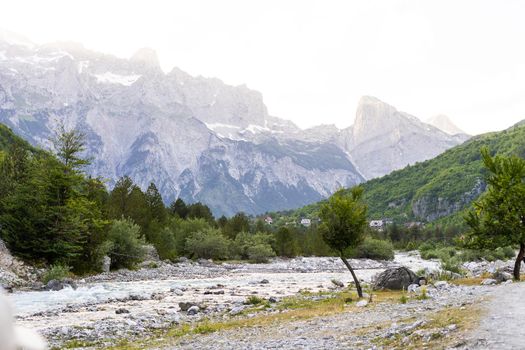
x: 287, y: 304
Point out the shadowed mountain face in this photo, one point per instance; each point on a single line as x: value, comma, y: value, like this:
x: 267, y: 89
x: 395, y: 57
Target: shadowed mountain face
x: 197, y: 138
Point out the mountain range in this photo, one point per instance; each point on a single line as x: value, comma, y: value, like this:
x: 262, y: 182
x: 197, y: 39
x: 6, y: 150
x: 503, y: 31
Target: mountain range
x: 437, y: 190
x: 198, y: 138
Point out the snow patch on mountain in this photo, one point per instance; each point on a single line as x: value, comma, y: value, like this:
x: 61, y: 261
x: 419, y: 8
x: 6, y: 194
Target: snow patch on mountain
x: 112, y: 78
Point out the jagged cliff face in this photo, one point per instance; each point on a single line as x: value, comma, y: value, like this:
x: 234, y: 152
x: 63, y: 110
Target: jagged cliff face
x: 194, y: 137
x: 383, y: 139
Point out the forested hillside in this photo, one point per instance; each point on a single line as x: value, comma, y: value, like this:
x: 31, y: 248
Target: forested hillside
x: 434, y: 189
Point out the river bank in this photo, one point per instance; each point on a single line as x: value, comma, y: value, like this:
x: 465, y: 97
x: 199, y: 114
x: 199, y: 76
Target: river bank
x: 128, y: 306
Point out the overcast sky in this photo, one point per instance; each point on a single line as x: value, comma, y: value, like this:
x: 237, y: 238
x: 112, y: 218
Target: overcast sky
x: 312, y: 60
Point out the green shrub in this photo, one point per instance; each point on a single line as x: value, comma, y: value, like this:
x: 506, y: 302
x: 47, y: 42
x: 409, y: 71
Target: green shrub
x: 165, y: 244
x: 372, y: 248
x: 260, y: 253
x: 56, y: 272
x: 126, y: 250
x: 183, y: 229
x: 208, y: 244
x: 254, y: 300
x: 253, y: 246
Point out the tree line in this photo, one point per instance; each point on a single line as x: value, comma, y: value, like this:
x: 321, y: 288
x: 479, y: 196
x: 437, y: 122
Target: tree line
x: 52, y: 212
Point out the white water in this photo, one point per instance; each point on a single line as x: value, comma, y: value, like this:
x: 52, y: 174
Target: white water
x: 287, y: 283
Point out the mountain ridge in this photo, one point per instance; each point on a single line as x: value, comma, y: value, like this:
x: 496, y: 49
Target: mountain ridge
x: 179, y: 131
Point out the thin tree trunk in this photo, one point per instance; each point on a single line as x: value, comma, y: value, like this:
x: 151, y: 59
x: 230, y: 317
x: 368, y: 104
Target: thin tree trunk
x: 357, y: 284
x: 519, y: 259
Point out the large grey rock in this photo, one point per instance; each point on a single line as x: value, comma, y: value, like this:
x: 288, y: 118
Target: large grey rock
x: 501, y: 276
x: 56, y: 285
x: 395, y: 279
x: 106, y: 264
x: 185, y: 306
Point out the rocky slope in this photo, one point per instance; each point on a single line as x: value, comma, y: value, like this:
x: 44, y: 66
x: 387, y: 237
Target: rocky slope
x: 197, y: 138
x: 443, y: 123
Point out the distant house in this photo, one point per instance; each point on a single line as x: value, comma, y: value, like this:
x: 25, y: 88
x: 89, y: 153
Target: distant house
x: 268, y: 220
x: 306, y: 222
x: 377, y: 224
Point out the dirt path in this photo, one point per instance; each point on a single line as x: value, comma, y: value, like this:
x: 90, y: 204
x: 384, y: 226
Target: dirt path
x: 502, y: 327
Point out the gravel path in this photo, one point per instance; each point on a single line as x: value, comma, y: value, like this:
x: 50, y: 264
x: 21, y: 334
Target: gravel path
x: 502, y: 326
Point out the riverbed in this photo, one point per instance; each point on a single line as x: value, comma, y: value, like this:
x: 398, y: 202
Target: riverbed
x: 127, y: 303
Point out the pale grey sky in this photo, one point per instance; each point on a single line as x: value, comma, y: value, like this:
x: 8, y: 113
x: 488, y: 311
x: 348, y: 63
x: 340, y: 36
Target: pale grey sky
x: 312, y: 60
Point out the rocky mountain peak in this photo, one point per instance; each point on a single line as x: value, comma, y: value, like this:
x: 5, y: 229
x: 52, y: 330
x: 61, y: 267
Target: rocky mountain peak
x: 374, y: 118
x: 443, y: 123
x: 146, y: 56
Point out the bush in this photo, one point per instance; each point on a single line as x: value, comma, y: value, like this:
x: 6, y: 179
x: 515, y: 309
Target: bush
x: 165, y: 244
x: 56, y: 272
x: 256, y: 247
x: 126, y: 250
x: 260, y: 253
x: 183, y: 229
x: 253, y: 300
x: 372, y: 248
x: 208, y: 244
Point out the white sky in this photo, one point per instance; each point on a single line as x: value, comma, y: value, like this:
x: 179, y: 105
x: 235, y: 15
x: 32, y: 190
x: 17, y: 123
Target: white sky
x: 312, y: 60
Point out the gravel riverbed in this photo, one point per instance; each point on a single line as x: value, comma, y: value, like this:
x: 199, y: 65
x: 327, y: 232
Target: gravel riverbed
x: 132, y: 304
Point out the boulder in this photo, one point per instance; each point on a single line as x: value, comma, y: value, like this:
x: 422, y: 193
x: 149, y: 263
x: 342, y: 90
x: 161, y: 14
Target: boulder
x: 501, y: 276
x: 397, y: 278
x: 177, y: 291
x: 106, y: 264
x: 193, y: 310
x: 121, y: 311
x: 60, y: 284
x: 185, y: 306
x: 338, y: 283
x: 237, y: 310
x: 488, y: 282
x: 413, y: 288
x: 361, y: 303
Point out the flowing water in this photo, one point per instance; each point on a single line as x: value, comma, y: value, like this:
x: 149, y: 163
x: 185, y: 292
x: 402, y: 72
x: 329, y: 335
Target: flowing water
x: 241, y: 282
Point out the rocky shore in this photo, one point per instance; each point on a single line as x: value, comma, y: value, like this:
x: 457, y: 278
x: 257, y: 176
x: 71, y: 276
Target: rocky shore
x: 129, y: 305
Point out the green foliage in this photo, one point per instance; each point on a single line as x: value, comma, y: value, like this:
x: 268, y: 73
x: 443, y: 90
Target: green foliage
x: 372, y: 248
x: 46, y: 211
x: 253, y: 246
x: 182, y: 229
x: 260, y: 253
x: 56, y: 272
x: 200, y: 211
x: 208, y: 244
x: 179, y: 208
x: 165, y: 243
x: 403, y: 299
x: 285, y: 242
x: 344, y: 220
x: 254, y: 300
x: 237, y: 224
x: 127, y: 247
x: 498, y: 217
